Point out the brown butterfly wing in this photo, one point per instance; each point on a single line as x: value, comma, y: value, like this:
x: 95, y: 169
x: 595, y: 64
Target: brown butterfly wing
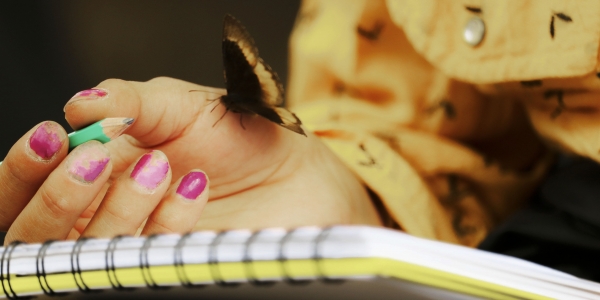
x: 252, y: 86
x: 235, y: 32
x: 289, y: 120
x: 270, y: 84
x: 243, y: 87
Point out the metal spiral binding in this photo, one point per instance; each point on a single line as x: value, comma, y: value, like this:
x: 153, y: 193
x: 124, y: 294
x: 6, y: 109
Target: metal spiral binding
x: 110, y: 264
x: 179, y: 264
x: 8, y: 250
x: 145, y: 265
x: 282, y: 260
x: 213, y: 261
x: 318, y: 257
x: 40, y: 269
x: 76, y: 268
x: 247, y: 260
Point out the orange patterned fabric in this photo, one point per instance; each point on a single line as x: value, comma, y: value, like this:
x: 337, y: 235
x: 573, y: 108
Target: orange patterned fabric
x: 452, y: 138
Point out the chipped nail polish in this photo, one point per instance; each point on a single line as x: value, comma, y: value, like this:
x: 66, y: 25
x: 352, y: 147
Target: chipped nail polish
x: 91, y: 94
x: 150, y: 170
x: 87, y: 162
x: 46, y: 140
x: 192, y: 185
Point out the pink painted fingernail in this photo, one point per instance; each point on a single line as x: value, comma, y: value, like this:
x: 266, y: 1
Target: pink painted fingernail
x: 88, y: 161
x: 150, y: 170
x: 192, y: 185
x: 46, y: 140
x: 91, y: 94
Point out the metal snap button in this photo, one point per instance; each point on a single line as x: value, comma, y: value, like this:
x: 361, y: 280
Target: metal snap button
x: 474, y: 31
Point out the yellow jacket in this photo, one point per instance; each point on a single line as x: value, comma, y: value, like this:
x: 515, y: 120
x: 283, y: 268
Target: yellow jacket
x: 446, y: 109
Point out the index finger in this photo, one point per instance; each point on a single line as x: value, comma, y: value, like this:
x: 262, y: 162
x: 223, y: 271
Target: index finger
x: 28, y: 163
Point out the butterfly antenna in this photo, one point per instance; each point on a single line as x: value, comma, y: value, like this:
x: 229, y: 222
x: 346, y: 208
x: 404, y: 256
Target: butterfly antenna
x: 226, y: 110
x: 208, y: 91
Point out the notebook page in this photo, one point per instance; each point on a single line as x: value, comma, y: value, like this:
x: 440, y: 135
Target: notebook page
x: 280, y: 247
x: 493, y: 261
x: 390, y: 244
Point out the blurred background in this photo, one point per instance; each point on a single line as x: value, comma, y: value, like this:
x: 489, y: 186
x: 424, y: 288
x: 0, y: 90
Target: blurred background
x: 50, y: 50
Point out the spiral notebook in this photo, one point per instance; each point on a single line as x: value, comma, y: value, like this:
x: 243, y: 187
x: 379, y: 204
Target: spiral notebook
x: 275, y: 263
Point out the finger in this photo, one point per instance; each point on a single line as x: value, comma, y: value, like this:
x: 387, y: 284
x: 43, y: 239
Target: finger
x: 31, y: 159
x: 180, y: 209
x: 90, y: 211
x: 161, y: 100
x: 132, y: 197
x: 65, y: 194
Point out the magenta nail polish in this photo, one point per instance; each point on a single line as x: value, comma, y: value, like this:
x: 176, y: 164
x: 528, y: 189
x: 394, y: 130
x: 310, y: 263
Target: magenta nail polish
x: 91, y: 94
x: 192, y: 185
x: 87, y: 162
x: 46, y: 140
x: 150, y: 170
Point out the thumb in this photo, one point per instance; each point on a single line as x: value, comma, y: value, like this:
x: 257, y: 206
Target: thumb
x: 162, y: 107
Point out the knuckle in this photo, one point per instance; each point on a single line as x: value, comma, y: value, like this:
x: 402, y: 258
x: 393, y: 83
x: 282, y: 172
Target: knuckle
x: 55, y: 203
x: 121, y: 215
x: 119, y: 87
x: 113, y: 82
x: 161, y: 80
x: 18, y: 176
x: 159, y: 226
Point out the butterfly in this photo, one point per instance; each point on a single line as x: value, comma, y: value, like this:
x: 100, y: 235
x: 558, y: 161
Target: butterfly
x: 252, y: 86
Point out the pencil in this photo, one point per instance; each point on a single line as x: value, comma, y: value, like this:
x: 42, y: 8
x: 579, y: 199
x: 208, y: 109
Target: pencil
x: 103, y: 131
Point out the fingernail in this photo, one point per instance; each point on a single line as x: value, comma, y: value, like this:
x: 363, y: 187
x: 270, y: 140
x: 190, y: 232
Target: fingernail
x: 46, y: 140
x: 91, y: 94
x: 88, y: 161
x: 192, y: 185
x: 150, y: 170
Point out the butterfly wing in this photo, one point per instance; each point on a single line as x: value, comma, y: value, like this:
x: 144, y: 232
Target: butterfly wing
x: 243, y: 87
x: 252, y: 86
x: 281, y: 116
x: 235, y: 33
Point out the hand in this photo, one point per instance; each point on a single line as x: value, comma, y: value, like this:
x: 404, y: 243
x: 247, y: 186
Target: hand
x: 50, y: 197
x: 261, y: 176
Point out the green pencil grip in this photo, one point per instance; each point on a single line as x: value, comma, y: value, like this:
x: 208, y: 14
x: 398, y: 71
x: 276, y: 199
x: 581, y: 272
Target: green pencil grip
x: 92, y: 132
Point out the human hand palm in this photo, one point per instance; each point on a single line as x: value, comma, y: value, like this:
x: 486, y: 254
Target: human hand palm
x: 261, y: 175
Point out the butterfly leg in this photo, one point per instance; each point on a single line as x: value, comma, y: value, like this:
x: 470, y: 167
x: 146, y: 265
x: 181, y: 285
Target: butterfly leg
x: 208, y: 100
x: 226, y: 110
x: 213, y: 100
x: 241, y: 123
x: 215, y: 107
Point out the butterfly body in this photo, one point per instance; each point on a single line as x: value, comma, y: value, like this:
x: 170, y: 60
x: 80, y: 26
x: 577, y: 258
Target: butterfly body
x: 252, y: 86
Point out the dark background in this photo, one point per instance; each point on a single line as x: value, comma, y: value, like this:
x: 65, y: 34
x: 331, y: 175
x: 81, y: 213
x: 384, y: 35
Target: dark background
x: 50, y: 50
